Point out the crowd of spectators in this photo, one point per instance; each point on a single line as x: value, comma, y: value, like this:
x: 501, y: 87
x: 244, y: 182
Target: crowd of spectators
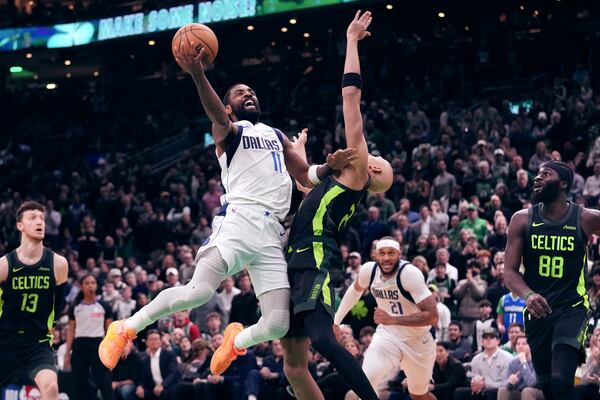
x: 461, y: 169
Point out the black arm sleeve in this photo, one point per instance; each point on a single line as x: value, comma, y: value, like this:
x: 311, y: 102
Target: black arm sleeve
x: 59, y: 299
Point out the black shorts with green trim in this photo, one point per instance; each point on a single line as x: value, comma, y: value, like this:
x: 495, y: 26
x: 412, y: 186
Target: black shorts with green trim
x: 310, y: 282
x: 22, y: 359
x: 565, y: 325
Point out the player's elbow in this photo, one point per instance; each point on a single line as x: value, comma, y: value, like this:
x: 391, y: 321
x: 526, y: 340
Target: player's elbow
x: 433, y: 318
x: 350, y: 93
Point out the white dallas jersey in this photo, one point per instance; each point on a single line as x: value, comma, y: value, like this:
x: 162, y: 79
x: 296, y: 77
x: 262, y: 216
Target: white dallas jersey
x: 397, y: 294
x: 253, y: 169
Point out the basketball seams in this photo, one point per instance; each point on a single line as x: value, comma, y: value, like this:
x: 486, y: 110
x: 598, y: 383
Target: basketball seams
x: 204, y: 38
x: 204, y: 44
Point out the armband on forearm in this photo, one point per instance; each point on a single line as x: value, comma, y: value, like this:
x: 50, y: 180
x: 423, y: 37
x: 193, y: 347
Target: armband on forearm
x: 352, y: 79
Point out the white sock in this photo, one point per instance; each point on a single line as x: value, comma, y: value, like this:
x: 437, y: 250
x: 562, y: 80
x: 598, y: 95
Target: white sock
x: 138, y: 321
x: 274, y: 322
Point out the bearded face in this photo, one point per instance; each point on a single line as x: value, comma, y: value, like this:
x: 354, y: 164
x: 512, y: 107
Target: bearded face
x: 546, y: 193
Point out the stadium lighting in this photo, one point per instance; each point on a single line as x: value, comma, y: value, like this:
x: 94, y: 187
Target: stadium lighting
x: 389, y: 7
x: 35, y: 77
x: 306, y: 35
x: 441, y: 14
x: 28, y: 55
x: 15, y: 69
x: 51, y: 86
x: 151, y: 42
x: 68, y: 74
x: 67, y: 62
x: 273, y: 44
x: 293, y: 21
x: 467, y: 28
x: 521, y: 7
x: 71, y: 7
x: 250, y: 27
x: 284, y: 29
x: 96, y: 73
x: 536, y: 13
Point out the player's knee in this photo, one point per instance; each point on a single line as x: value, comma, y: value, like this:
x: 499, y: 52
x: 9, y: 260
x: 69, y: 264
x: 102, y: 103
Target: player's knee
x: 196, y: 294
x: 278, y: 323
x: 295, y: 371
x: 561, y: 385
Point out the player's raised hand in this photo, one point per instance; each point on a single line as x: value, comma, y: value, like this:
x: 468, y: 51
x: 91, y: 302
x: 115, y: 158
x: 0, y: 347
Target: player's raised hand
x: 537, y: 306
x: 300, y: 140
x: 341, y: 158
x: 357, y: 30
x: 190, y: 62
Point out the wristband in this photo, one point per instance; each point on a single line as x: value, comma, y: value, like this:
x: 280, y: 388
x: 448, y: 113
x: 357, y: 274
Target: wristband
x: 312, y: 175
x: 529, y: 293
x: 352, y: 79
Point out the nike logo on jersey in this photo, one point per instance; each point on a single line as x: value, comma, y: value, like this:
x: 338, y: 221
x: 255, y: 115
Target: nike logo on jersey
x: 536, y: 224
x: 569, y: 227
x: 17, y: 269
x: 302, y: 250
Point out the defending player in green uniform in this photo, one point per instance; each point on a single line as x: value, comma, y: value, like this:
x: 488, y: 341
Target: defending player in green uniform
x: 313, y: 242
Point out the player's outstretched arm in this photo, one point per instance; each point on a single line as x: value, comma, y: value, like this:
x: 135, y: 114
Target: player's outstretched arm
x: 351, y: 90
x: 351, y: 297
x: 536, y: 304
x: 307, y: 175
x: 221, y: 124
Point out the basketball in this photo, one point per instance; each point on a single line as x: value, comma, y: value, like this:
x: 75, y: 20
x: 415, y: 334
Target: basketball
x: 196, y: 36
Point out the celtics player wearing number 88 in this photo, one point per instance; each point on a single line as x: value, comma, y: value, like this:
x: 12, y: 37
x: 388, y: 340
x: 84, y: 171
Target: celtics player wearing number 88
x: 32, y: 293
x: 551, y: 238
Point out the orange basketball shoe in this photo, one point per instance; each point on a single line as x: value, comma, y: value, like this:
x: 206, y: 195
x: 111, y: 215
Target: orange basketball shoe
x: 227, y: 353
x: 118, y: 341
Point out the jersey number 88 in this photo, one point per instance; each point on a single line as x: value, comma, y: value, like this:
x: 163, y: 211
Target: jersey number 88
x: 551, y: 266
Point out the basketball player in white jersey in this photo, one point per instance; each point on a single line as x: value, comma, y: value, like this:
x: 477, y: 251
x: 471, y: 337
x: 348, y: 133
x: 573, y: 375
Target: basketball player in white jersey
x: 255, y: 160
x: 405, y: 312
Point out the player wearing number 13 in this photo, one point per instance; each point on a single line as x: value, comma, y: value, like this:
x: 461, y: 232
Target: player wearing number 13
x: 551, y: 238
x: 32, y: 293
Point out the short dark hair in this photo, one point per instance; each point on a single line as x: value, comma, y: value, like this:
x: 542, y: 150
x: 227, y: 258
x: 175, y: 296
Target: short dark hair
x: 522, y: 337
x: 213, y: 314
x: 485, y: 303
x: 521, y: 327
x: 228, y: 92
x: 457, y: 324
x: 367, y: 330
x: 29, y: 206
x: 153, y: 332
x: 444, y: 344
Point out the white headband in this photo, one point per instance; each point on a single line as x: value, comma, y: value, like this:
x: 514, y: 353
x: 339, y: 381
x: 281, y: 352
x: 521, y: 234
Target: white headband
x: 388, y: 243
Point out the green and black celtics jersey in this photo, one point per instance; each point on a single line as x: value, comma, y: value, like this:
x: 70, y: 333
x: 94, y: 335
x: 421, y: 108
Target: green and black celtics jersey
x: 27, y: 299
x: 555, y: 257
x: 323, y: 213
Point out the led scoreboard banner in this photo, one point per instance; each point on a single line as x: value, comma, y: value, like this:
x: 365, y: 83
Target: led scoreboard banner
x: 208, y: 12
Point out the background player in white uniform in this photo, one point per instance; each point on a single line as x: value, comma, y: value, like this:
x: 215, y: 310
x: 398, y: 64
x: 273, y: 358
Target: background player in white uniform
x: 406, y: 310
x: 255, y: 160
